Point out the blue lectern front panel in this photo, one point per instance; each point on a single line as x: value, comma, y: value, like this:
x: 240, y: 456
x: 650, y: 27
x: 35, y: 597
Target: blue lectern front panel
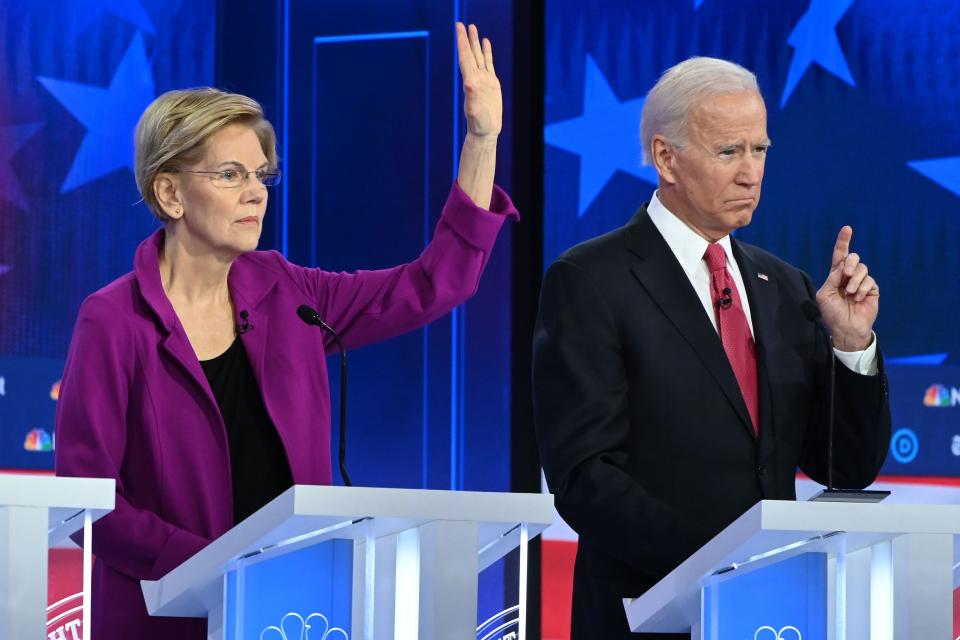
x: 785, y: 601
x: 302, y: 594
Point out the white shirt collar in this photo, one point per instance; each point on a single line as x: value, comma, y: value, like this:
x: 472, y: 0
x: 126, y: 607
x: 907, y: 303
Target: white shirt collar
x: 687, y: 245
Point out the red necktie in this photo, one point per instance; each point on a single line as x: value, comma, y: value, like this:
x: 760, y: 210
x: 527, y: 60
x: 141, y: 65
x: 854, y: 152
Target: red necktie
x: 733, y: 328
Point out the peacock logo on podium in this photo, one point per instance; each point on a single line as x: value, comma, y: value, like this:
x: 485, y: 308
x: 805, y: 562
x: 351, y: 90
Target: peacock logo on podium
x: 293, y: 626
x: 785, y: 633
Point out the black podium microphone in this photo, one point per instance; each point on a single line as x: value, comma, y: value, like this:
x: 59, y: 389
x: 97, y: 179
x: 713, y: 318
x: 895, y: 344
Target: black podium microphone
x: 830, y: 494
x: 812, y: 311
x: 311, y: 317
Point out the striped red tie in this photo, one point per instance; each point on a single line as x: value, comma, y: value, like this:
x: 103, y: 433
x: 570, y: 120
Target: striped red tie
x: 733, y: 329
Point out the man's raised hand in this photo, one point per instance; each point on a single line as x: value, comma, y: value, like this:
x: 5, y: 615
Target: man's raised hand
x: 849, y: 298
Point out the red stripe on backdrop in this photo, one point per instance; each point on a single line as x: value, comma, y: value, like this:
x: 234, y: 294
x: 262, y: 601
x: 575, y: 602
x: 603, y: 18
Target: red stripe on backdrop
x: 66, y: 574
x: 27, y: 472
x: 939, y: 481
x: 932, y: 480
x: 557, y: 558
x: 956, y: 613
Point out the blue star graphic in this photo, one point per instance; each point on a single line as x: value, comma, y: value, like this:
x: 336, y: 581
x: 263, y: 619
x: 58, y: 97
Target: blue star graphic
x: 132, y: 11
x: 814, y: 39
x: 606, y: 137
x: 109, y: 115
x: 11, y: 139
x: 943, y: 171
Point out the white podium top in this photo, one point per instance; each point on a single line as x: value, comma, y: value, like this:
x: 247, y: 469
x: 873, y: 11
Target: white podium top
x: 305, y: 515
x: 65, y: 498
x: 771, y: 531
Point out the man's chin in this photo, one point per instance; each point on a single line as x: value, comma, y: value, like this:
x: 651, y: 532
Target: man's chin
x: 742, y: 216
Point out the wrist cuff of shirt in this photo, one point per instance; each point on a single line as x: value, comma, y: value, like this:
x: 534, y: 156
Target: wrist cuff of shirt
x: 862, y: 362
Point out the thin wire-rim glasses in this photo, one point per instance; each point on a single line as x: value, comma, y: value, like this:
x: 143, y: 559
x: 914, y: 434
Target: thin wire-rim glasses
x: 234, y: 177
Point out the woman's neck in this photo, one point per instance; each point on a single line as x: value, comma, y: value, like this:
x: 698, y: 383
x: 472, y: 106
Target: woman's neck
x: 193, y: 275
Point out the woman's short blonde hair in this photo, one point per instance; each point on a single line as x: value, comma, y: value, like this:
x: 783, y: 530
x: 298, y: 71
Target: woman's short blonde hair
x: 172, y: 131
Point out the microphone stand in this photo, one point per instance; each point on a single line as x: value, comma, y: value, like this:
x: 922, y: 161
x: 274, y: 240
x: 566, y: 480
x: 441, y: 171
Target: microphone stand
x: 832, y: 494
x: 311, y: 317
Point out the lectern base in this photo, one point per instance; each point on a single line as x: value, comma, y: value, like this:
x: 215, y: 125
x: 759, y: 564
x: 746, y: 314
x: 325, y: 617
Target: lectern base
x: 849, y: 495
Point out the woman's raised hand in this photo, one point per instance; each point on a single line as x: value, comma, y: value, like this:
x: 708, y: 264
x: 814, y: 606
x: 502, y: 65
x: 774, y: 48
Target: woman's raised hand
x: 482, y: 99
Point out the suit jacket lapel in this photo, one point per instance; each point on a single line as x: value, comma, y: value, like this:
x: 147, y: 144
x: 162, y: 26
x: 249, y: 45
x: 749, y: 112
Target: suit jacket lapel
x: 665, y: 281
x: 173, y: 338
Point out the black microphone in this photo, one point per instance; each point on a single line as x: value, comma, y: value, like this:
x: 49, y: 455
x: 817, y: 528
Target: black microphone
x: 830, y: 494
x: 726, y: 300
x: 310, y: 316
x: 812, y: 311
x: 244, y: 325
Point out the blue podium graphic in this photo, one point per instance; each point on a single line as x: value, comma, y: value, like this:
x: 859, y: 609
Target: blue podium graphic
x: 302, y: 594
x: 785, y: 601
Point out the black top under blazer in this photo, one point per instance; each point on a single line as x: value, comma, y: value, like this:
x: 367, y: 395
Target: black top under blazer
x: 643, y: 432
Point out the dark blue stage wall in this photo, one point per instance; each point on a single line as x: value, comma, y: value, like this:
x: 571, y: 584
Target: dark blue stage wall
x: 863, y: 102
x: 370, y: 116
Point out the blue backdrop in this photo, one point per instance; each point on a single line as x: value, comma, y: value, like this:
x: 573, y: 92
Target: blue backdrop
x: 74, y: 78
x: 862, y: 100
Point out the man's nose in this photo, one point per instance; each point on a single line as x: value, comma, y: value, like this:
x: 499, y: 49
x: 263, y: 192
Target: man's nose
x: 751, y: 171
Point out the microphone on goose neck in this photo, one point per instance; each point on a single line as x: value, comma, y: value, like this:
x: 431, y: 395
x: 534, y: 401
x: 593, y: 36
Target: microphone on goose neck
x: 831, y: 494
x: 310, y: 316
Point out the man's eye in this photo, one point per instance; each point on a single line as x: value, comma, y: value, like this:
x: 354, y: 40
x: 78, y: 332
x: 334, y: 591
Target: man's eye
x: 727, y: 152
x: 760, y: 149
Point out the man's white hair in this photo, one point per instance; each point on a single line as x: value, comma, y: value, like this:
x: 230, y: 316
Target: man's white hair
x: 667, y: 108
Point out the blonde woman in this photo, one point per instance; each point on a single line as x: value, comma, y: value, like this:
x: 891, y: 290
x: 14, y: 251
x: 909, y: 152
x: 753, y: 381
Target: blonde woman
x: 192, y: 381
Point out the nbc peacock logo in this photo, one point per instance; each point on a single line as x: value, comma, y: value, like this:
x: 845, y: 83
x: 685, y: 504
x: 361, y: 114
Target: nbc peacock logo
x: 293, y: 626
x: 938, y: 395
x: 770, y: 633
x: 38, y: 440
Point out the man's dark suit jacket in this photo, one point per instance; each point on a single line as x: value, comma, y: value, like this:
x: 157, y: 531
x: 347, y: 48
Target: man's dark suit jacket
x: 644, y: 435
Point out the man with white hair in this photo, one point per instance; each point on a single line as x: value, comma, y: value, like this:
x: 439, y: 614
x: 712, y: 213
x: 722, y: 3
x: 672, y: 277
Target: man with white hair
x: 678, y: 377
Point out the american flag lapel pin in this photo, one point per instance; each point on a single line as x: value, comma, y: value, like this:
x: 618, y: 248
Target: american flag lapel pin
x: 763, y: 277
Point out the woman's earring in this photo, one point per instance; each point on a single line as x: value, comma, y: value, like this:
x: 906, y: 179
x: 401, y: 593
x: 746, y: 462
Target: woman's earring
x: 178, y: 210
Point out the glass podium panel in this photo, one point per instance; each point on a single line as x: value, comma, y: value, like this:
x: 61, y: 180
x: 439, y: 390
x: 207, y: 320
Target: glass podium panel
x: 306, y: 593
x: 783, y: 601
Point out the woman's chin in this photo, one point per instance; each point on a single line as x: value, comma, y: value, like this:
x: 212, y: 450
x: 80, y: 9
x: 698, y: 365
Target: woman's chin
x: 246, y: 241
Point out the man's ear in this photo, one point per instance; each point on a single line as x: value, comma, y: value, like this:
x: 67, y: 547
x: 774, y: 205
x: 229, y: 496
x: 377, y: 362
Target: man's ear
x: 664, y: 158
x: 166, y: 188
